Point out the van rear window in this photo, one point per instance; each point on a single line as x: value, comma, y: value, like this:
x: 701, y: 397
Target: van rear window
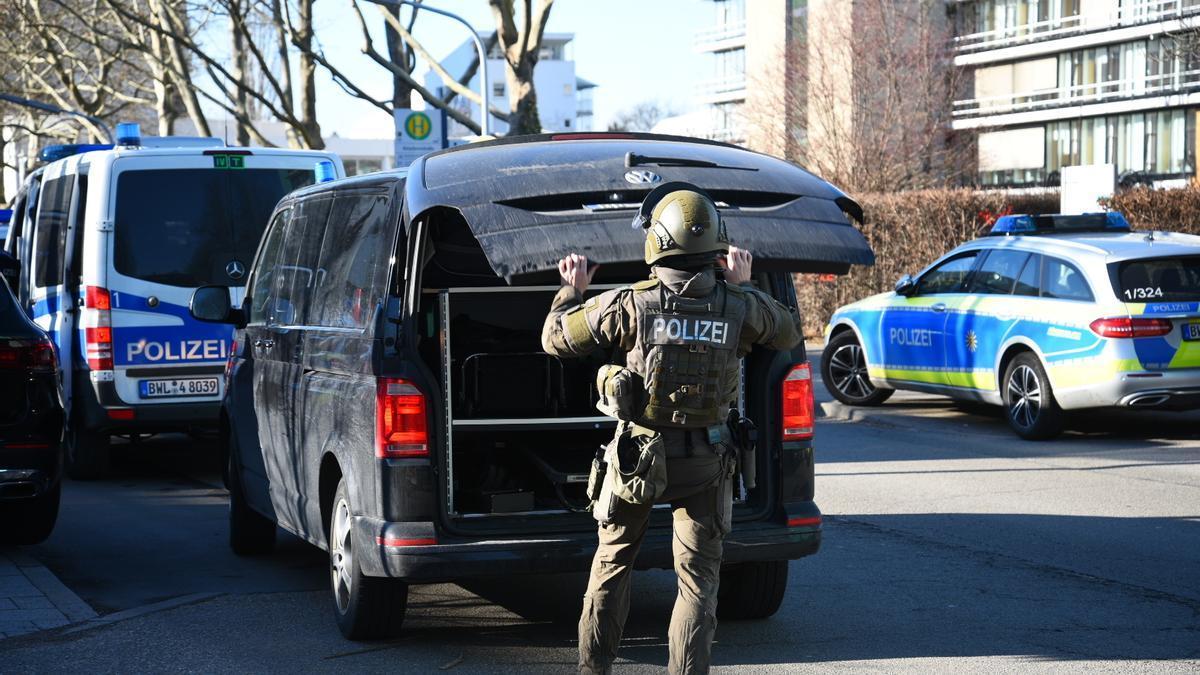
x: 1158, y: 279
x: 183, y: 227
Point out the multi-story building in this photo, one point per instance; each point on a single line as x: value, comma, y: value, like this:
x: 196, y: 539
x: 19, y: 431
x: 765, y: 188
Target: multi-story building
x: 723, y: 92
x: 565, y: 101
x: 1056, y: 83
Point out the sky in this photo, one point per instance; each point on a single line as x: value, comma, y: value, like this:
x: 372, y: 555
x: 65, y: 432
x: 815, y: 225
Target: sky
x: 635, y: 50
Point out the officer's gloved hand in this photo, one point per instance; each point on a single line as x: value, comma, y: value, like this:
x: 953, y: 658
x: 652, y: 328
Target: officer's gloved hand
x: 574, y: 271
x: 736, y: 265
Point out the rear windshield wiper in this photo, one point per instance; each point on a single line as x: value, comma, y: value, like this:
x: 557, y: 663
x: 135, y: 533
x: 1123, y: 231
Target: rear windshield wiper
x: 633, y: 159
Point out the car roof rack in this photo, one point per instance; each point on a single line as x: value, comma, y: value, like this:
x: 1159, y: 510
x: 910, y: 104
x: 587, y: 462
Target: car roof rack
x: 1058, y: 223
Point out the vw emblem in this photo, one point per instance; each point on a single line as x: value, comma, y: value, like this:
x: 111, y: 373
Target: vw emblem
x: 235, y: 270
x: 642, y: 177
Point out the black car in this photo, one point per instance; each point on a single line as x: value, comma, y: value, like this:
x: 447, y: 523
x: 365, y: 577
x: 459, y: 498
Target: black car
x: 31, y: 427
x: 389, y: 400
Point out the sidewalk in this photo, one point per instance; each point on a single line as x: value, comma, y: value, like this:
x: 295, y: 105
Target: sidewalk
x: 32, y: 598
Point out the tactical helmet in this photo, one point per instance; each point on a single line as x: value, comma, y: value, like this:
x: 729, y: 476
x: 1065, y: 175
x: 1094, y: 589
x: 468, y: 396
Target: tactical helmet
x: 680, y: 219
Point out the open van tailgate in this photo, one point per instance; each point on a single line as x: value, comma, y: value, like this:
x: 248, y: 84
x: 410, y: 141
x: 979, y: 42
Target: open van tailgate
x: 531, y: 203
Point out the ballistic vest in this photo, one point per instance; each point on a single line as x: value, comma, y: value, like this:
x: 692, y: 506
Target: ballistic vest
x: 686, y: 353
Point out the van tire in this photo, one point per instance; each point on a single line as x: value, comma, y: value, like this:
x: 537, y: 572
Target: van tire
x: 844, y: 372
x: 366, y: 608
x: 250, y: 532
x: 87, y: 452
x: 752, y: 590
x: 1029, y: 404
x: 29, y: 521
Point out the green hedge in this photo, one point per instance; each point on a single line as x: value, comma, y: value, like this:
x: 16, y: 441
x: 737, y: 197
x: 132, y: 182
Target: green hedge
x: 1176, y: 210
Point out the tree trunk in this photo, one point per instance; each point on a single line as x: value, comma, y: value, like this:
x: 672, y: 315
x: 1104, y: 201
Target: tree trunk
x: 240, y: 70
x: 398, y: 54
x: 522, y: 97
x: 309, y: 135
x: 181, y: 72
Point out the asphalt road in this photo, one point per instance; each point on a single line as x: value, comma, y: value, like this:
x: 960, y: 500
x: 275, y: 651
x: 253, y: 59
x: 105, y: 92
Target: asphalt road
x: 950, y: 545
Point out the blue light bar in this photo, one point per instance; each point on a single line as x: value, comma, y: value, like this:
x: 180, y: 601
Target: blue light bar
x: 1110, y: 221
x: 53, y: 153
x: 1022, y: 224
x: 324, y: 171
x: 129, y: 133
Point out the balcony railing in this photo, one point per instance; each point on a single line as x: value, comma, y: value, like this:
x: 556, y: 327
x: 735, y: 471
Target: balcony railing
x: 722, y: 85
x: 1097, y: 92
x: 721, y: 33
x: 1129, y: 14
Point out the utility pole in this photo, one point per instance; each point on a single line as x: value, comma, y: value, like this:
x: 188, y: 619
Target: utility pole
x: 485, y: 126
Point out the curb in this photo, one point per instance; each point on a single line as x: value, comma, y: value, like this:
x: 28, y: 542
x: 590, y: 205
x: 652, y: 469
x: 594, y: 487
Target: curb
x: 33, y: 599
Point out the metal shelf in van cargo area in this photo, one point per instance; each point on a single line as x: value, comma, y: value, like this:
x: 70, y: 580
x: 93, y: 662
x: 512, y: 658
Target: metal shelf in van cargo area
x: 570, y: 419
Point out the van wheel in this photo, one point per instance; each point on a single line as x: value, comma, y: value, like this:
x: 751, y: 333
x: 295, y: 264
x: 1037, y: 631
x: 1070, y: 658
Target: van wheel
x: 1029, y: 401
x: 30, y: 521
x: 752, y: 590
x: 250, y: 532
x: 87, y: 453
x: 844, y: 372
x: 366, y: 608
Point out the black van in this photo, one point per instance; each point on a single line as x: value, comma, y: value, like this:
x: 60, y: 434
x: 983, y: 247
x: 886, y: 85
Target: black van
x: 388, y: 399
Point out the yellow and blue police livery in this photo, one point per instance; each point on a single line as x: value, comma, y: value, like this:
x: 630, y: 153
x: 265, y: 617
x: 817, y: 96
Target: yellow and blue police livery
x: 1048, y: 313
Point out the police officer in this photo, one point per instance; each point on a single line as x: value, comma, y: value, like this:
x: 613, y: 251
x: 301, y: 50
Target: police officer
x: 682, y: 333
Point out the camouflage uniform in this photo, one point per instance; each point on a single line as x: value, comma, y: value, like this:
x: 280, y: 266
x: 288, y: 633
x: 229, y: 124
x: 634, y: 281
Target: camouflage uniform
x: 699, y: 484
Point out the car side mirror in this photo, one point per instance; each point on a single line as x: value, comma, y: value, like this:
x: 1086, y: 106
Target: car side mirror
x: 906, y: 286
x: 211, y: 304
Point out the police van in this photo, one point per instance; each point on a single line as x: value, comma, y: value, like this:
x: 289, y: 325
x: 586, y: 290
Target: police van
x: 112, y: 241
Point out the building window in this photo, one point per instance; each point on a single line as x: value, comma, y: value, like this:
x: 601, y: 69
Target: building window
x: 1156, y: 143
x: 357, y: 167
x: 498, y: 90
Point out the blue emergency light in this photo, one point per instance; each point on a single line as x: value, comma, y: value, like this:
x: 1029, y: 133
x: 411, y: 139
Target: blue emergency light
x: 53, y: 153
x: 324, y: 171
x: 1109, y: 221
x: 129, y: 133
x: 5, y: 216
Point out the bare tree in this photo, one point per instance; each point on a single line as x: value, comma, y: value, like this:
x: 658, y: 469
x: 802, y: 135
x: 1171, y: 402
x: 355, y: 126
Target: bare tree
x: 521, y: 46
x: 862, y: 97
x: 641, y: 117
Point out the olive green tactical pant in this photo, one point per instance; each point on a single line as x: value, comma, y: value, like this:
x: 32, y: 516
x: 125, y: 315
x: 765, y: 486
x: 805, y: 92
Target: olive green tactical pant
x: 696, y: 487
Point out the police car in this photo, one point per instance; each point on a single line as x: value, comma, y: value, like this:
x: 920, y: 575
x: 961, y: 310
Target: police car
x: 112, y: 241
x: 1049, y: 313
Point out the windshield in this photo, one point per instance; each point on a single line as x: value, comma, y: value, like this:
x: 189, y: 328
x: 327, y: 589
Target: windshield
x: 1159, y: 279
x: 184, y: 227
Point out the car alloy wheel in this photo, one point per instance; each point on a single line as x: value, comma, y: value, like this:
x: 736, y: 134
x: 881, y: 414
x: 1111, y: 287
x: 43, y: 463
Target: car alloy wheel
x: 341, y: 556
x: 1025, y: 396
x: 848, y: 367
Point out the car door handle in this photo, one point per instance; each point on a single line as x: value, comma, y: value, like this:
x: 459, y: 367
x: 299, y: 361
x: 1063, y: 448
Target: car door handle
x: 938, y: 307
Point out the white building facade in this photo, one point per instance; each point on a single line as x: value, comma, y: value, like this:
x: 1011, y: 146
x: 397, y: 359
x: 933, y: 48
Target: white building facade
x: 723, y: 91
x: 565, y: 101
x: 1055, y: 83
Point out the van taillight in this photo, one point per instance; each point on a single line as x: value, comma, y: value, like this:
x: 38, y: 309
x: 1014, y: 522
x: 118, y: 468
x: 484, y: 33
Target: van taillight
x: 1127, y: 327
x: 97, y: 328
x: 400, y: 426
x: 798, y: 404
